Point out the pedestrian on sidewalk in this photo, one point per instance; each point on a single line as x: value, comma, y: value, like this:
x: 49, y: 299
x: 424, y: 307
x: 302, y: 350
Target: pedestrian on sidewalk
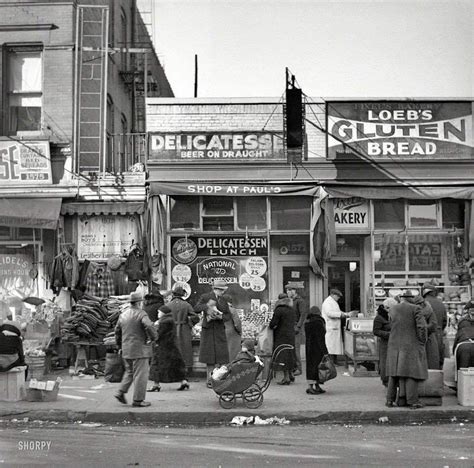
x: 464, y: 353
x: 153, y: 301
x: 233, y: 330
x: 134, y: 334
x: 315, y: 330
x: 167, y: 364
x: 213, y: 349
x: 381, y: 329
x: 283, y: 326
x: 432, y: 348
x: 301, y: 311
x: 333, y: 315
x: 406, y: 354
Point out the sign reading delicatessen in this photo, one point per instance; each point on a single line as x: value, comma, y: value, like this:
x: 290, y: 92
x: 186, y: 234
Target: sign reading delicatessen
x: 241, y: 262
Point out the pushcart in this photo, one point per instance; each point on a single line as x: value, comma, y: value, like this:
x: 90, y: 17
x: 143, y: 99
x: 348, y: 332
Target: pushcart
x: 241, y: 382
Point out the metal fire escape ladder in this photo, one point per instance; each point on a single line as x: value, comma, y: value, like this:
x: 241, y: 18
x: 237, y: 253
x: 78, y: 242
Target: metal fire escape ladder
x: 90, y: 88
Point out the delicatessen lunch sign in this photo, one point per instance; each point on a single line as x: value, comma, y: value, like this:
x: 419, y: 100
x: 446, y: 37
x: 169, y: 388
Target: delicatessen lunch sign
x: 400, y: 129
x: 190, y: 146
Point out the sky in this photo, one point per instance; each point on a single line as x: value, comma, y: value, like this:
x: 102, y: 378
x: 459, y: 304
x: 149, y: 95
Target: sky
x: 348, y: 48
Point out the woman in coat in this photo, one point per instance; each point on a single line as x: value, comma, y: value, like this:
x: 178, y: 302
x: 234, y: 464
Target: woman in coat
x: 406, y: 354
x: 152, y: 303
x: 167, y: 364
x: 315, y: 331
x: 432, y: 348
x: 233, y: 330
x: 283, y: 326
x: 213, y: 350
x: 184, y: 318
x: 381, y: 329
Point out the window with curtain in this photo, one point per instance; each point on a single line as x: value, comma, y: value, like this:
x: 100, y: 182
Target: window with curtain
x: 24, y: 89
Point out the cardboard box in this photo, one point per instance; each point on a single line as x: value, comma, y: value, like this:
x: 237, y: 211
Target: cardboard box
x: 12, y: 384
x: 38, y: 390
x: 466, y: 386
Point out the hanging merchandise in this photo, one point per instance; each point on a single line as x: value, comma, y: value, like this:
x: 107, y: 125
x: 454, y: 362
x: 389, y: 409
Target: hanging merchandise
x: 157, y: 269
x: 134, y: 265
x: 99, y: 281
x: 65, y: 269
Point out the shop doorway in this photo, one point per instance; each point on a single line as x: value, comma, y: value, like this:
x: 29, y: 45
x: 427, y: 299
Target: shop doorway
x: 296, y: 272
x: 345, y: 276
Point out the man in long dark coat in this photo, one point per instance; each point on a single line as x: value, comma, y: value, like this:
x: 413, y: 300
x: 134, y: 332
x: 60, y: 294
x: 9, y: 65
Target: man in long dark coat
x: 406, y: 354
x: 213, y: 349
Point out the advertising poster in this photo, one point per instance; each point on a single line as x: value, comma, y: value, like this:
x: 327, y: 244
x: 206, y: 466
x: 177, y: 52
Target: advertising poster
x: 242, y: 263
x: 103, y: 236
x: 399, y: 130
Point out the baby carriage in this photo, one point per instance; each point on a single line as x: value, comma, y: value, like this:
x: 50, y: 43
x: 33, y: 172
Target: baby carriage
x: 241, y: 382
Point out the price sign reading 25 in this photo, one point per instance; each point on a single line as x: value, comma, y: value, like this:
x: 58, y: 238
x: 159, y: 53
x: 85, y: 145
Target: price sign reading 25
x: 9, y: 163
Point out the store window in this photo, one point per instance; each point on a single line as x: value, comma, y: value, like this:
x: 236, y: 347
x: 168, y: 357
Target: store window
x: 390, y: 252
x: 453, y: 214
x: 251, y: 213
x: 422, y: 214
x: 424, y: 252
x: 218, y: 214
x: 389, y: 214
x: 24, y: 89
x: 4, y: 232
x: 184, y: 213
x: 291, y: 213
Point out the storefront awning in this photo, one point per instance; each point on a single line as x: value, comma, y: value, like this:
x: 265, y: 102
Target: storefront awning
x: 40, y: 213
x: 105, y: 208
x: 232, y: 189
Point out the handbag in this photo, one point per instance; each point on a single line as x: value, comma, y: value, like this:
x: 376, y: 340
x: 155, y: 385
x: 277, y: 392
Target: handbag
x: 114, y: 367
x: 265, y: 341
x: 326, y: 369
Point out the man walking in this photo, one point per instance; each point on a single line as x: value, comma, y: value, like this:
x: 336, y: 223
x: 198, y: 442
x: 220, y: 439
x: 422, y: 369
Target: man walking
x: 301, y: 312
x: 134, y: 333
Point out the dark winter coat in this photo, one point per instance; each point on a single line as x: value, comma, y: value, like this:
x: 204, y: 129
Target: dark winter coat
x: 167, y: 364
x: 432, y: 349
x: 406, y: 354
x: 465, y: 331
x: 283, y: 326
x: 184, y: 318
x: 381, y: 329
x: 441, y: 314
x: 315, y: 330
x: 213, y: 348
x: 151, y: 305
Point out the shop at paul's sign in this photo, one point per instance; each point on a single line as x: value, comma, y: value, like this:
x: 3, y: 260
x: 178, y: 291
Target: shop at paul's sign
x: 27, y: 162
x: 408, y: 130
x: 351, y: 214
x: 188, y: 146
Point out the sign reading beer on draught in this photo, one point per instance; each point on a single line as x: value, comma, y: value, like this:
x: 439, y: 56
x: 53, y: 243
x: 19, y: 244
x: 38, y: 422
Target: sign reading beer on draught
x: 399, y: 130
x: 189, y: 146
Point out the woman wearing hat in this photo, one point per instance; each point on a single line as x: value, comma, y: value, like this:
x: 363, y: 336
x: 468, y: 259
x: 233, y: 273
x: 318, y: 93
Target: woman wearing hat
x: 213, y: 350
x: 11, y: 346
x: 184, y: 318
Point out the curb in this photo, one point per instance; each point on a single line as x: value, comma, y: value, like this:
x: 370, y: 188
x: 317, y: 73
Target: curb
x: 394, y: 417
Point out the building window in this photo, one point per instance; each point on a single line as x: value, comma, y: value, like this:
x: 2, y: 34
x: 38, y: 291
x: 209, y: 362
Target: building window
x: 453, y: 214
x: 124, y: 39
x: 422, y: 214
x: 291, y: 213
x: 389, y: 215
x: 251, y: 213
x: 391, y: 252
x: 218, y: 214
x: 24, y: 89
x: 184, y: 213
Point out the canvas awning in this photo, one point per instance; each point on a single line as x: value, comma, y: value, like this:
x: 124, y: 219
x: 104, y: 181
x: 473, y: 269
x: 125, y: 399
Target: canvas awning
x: 40, y: 213
x: 105, y: 208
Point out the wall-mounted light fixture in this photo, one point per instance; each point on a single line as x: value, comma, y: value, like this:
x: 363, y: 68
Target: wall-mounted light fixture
x: 352, y: 266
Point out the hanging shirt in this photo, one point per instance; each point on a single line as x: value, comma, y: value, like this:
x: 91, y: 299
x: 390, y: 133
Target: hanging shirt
x: 99, y: 282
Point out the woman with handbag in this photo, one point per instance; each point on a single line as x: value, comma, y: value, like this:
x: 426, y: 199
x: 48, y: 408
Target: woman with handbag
x: 233, y: 329
x: 315, y: 330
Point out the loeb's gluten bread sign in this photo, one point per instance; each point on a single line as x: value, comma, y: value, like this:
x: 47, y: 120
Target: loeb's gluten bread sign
x: 400, y: 130
x: 25, y: 162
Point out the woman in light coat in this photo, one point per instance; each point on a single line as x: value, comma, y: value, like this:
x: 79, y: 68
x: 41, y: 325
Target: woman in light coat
x: 332, y: 314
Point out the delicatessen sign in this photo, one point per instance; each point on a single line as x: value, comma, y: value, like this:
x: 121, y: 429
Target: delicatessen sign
x: 196, y: 262
x: 400, y: 129
x: 216, y: 145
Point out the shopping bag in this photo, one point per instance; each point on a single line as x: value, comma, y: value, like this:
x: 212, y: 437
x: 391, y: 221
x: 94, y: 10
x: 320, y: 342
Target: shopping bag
x: 114, y: 367
x: 265, y: 341
x: 326, y: 369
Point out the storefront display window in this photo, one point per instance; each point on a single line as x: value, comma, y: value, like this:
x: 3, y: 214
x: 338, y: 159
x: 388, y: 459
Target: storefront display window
x: 291, y: 213
x: 251, y: 213
x: 389, y: 214
x: 424, y: 252
x: 453, y: 214
x: 184, y: 213
x: 218, y: 214
x: 422, y: 215
x: 390, y: 252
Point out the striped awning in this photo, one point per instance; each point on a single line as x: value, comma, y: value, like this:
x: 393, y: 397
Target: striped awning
x: 104, y: 208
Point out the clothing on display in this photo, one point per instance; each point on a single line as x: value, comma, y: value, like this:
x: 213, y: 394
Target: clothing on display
x: 134, y: 265
x: 65, y: 269
x: 99, y: 282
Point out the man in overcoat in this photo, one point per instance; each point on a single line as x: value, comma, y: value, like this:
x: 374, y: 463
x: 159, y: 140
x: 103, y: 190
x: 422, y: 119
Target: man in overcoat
x: 134, y: 333
x: 406, y: 353
x: 213, y: 349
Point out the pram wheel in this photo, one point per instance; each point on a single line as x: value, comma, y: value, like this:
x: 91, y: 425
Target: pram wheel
x: 253, y: 396
x: 227, y: 400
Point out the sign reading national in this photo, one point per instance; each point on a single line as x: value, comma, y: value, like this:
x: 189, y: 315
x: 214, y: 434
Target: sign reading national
x: 399, y: 129
x: 189, y: 146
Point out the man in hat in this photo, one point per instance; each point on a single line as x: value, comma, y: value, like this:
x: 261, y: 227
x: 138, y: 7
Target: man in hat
x: 301, y: 311
x: 429, y: 293
x: 134, y: 333
x: 332, y: 314
x: 465, y: 338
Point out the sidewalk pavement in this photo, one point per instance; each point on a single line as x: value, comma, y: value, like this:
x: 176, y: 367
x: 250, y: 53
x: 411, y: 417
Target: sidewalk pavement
x: 348, y: 400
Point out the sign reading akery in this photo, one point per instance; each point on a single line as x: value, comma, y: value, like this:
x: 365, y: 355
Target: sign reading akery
x: 189, y: 146
x: 399, y: 129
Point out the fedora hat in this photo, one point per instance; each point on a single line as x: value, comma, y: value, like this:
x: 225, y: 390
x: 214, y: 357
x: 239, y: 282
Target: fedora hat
x: 335, y: 292
x: 219, y: 284
x: 290, y: 286
x: 135, y: 297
